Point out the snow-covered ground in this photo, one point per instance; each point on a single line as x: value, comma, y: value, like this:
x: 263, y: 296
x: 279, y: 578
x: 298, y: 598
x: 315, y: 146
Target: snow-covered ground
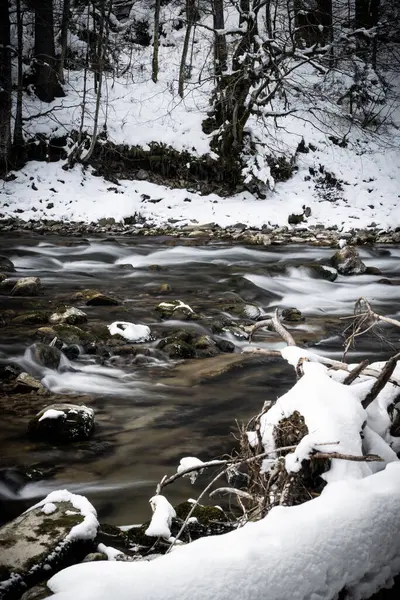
x: 351, y: 187
x: 370, y: 195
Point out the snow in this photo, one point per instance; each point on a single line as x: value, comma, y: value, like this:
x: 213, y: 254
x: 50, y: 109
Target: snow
x: 109, y: 551
x: 49, y: 508
x: 52, y: 413
x: 302, y: 552
x: 163, y: 513
x: 189, y: 462
x: 81, y: 196
x: 87, y: 530
x: 130, y: 331
x: 333, y: 415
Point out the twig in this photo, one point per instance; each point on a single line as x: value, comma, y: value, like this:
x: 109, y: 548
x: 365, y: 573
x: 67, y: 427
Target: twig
x: 382, y: 380
x: 193, y: 507
x: 366, y: 458
x: 233, y: 461
x: 355, y: 372
x: 229, y: 490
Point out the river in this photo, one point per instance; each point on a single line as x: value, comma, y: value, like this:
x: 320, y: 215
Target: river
x: 153, y: 411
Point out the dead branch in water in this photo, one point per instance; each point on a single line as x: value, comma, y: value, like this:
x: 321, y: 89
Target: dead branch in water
x: 275, y: 323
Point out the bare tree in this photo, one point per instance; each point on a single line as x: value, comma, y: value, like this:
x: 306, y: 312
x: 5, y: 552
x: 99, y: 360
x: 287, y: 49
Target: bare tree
x: 5, y: 85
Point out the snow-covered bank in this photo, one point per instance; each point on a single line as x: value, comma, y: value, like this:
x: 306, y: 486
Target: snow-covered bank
x: 344, y: 538
x: 369, y: 197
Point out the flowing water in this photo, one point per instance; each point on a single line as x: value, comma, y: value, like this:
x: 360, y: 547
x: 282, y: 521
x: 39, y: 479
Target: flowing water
x: 153, y: 411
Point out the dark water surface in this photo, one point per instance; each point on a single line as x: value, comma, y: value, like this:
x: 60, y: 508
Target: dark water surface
x: 150, y: 415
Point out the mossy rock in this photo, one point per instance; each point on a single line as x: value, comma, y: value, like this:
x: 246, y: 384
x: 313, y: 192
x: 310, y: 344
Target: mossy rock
x: 204, y: 514
x: 176, y: 309
x: 6, y: 265
x: 94, y: 298
x: 68, y: 334
x: 31, y: 318
x: 36, y: 545
x: 292, y: 315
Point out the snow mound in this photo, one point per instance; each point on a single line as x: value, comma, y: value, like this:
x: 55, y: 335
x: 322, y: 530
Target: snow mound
x: 344, y: 538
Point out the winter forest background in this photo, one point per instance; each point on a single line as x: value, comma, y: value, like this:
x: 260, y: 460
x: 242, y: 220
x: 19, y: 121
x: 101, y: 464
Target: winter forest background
x: 212, y: 94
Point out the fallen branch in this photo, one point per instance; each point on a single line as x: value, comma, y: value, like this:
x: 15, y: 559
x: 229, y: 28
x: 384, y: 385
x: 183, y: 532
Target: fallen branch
x: 354, y: 373
x: 283, y: 332
x: 382, y: 380
x: 366, y: 458
x: 277, y: 325
x: 332, y: 364
x: 228, y: 462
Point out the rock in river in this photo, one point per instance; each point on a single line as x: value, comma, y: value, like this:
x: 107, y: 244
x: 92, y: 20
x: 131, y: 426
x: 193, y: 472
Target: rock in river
x: 27, y: 286
x: 347, y: 261
x: 95, y: 298
x: 47, y: 356
x: 6, y: 265
x: 56, y: 533
x: 62, y: 423
x: 69, y: 315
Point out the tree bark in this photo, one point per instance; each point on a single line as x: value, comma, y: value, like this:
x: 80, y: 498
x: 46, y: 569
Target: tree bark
x: 220, y: 49
x: 156, y: 41
x: 63, y: 39
x: 18, y: 141
x: 190, y: 15
x: 5, y: 85
x: 47, y: 85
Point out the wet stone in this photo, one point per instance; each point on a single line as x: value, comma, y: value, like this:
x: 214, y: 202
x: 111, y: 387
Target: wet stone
x: 47, y: 356
x: 62, y: 423
x: 69, y: 315
x: 27, y: 286
x: 347, y: 261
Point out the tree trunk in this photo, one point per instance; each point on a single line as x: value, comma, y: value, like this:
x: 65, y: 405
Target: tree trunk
x: 190, y: 15
x: 366, y: 13
x: 220, y: 49
x: 5, y: 85
x: 313, y: 22
x: 156, y: 41
x: 18, y: 141
x: 47, y: 85
x: 63, y: 39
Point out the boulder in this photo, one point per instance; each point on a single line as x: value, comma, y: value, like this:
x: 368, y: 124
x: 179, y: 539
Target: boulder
x: 47, y: 356
x: 347, y: 261
x: 6, y: 265
x: 56, y: 533
x: 26, y: 286
x: 62, y: 423
x: 95, y: 298
x: 69, y: 315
